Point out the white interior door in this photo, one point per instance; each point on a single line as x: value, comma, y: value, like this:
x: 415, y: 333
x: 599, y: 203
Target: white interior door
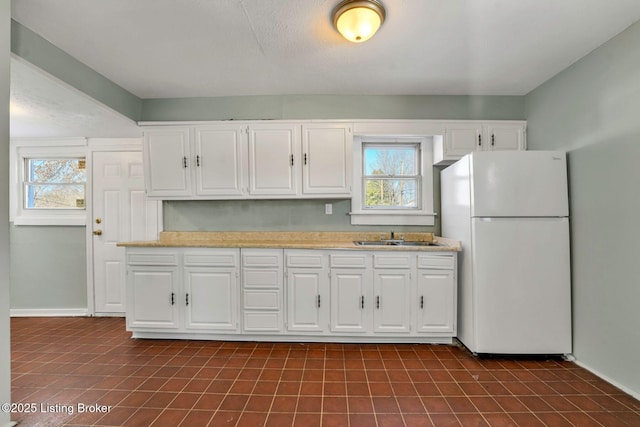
x: 121, y: 212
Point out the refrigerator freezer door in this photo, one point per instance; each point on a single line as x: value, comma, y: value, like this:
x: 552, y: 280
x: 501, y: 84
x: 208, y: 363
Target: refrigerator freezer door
x: 522, y: 286
x: 520, y: 183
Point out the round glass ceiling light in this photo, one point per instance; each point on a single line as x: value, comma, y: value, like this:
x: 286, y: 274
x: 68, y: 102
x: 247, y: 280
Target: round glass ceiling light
x: 358, y: 20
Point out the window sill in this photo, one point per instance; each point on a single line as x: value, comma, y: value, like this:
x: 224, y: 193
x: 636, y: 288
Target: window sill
x: 392, y: 218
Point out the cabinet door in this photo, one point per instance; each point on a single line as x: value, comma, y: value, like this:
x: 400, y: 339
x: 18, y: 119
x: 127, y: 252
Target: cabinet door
x: 218, y: 160
x: 391, y: 313
x: 505, y: 137
x: 461, y: 139
x: 351, y: 301
x: 167, y: 162
x: 307, y: 300
x: 274, y: 159
x: 435, y: 301
x: 152, y: 298
x: 210, y: 298
x: 326, y: 159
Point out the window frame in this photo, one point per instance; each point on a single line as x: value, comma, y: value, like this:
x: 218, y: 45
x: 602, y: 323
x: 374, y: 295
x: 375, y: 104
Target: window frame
x: 21, y: 151
x: 421, y: 215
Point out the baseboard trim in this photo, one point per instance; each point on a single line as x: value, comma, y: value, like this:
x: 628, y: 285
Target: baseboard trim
x: 615, y: 383
x: 49, y: 312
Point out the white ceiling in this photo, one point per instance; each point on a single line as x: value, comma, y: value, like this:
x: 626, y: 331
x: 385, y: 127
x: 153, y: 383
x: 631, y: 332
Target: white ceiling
x: 204, y: 48
x: 44, y: 107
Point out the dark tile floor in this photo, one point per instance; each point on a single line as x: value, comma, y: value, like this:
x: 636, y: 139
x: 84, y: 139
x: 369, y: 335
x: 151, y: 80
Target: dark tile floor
x: 69, y: 371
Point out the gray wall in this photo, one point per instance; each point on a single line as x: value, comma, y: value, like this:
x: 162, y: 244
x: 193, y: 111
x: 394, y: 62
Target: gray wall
x: 298, y: 107
x: 48, y: 267
x: 5, y: 360
x: 592, y: 110
x: 275, y: 215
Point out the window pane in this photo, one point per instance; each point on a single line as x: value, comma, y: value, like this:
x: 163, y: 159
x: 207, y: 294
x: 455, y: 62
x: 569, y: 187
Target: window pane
x: 56, y: 170
x: 391, y: 193
x: 54, y: 196
x: 390, y: 161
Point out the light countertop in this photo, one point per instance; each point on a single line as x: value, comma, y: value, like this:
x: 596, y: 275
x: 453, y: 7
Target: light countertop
x: 294, y: 240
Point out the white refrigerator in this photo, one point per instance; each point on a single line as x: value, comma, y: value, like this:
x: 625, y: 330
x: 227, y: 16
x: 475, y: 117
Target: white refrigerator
x: 510, y: 211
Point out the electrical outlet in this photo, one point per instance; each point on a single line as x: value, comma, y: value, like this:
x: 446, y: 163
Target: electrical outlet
x: 328, y: 209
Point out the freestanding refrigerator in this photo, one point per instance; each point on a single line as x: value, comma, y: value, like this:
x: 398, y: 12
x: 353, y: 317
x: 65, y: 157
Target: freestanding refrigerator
x: 510, y: 211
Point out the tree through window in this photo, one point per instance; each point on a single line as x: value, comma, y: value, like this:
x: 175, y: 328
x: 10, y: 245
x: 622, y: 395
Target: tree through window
x: 392, y: 176
x: 55, y: 183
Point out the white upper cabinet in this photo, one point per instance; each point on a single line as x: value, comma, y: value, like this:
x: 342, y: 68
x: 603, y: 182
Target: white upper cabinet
x: 249, y: 160
x: 274, y: 158
x: 326, y: 159
x: 218, y: 160
x: 167, y: 157
x: 505, y: 137
x: 461, y: 138
x: 205, y: 162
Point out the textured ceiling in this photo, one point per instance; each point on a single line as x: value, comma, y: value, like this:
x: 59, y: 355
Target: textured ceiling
x: 194, y: 48
x: 43, y: 107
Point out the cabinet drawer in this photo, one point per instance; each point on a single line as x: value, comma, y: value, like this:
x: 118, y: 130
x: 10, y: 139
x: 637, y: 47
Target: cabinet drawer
x: 262, y: 300
x: 349, y: 261
x: 152, y: 258
x: 267, y: 258
x: 223, y: 258
x: 440, y: 262
x: 262, y: 322
x: 305, y: 260
x: 392, y: 261
x: 262, y: 278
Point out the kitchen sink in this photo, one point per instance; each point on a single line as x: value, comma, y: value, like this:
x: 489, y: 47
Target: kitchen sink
x: 395, y: 243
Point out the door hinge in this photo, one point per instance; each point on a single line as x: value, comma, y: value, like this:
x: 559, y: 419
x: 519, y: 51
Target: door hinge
x: 291, y: 159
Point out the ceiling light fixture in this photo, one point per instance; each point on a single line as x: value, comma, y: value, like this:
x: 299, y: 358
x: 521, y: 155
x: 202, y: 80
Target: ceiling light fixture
x: 358, y: 20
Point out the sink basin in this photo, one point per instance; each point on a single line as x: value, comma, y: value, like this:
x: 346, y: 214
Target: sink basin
x: 395, y: 243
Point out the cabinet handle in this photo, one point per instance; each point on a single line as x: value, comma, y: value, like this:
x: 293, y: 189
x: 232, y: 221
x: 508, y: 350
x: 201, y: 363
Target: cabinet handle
x: 318, y: 299
x: 479, y: 140
x: 493, y: 140
x: 198, y: 160
x: 421, y: 301
x: 187, y: 297
x: 184, y: 162
x: 291, y: 159
x: 173, y: 298
x: 305, y: 158
x: 378, y: 301
x: 362, y: 301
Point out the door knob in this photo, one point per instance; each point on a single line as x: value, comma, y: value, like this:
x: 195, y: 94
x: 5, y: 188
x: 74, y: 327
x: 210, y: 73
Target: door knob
x: 98, y: 220
x: 97, y: 232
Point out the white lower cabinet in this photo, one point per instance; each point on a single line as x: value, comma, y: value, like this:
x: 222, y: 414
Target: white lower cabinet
x: 391, y: 286
x: 307, y: 291
x: 182, y: 290
x: 262, y: 291
x: 305, y: 294
x: 210, y: 298
x: 151, y: 299
x: 436, y: 289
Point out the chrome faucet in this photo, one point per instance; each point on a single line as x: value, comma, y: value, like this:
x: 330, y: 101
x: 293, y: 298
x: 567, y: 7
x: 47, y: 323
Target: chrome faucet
x: 392, y: 240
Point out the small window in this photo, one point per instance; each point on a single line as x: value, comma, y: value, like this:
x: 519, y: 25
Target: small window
x: 54, y: 183
x: 395, y: 181
x: 392, y: 176
x: 49, y: 182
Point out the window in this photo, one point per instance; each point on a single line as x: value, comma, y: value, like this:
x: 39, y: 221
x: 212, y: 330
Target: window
x: 49, y: 182
x: 391, y: 176
x: 54, y: 183
x: 395, y: 181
